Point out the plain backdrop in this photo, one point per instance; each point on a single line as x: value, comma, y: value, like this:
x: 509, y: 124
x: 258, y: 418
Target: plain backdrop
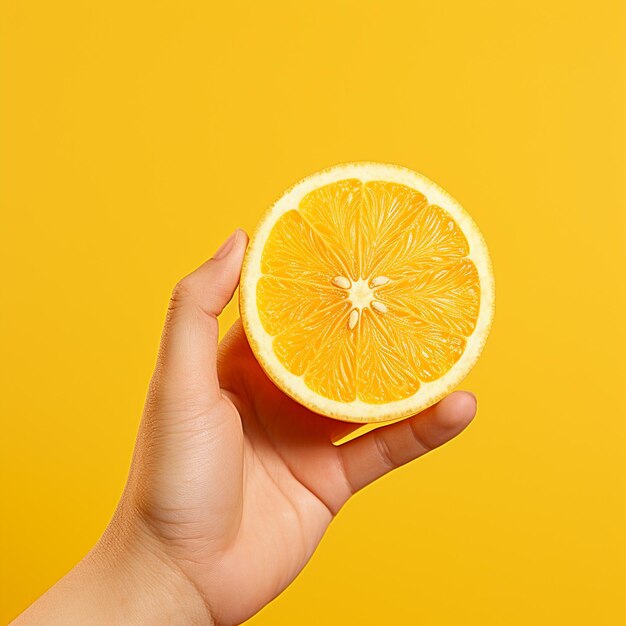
x: 135, y: 136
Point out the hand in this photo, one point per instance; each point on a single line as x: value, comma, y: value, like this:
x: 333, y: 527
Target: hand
x: 232, y: 483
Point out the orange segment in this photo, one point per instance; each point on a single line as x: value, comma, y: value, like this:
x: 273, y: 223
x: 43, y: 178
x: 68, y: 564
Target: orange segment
x: 294, y: 346
x: 447, y: 296
x: 331, y: 371
x: 427, y: 350
x: 289, y: 301
x: 384, y: 372
x: 295, y: 250
x: 333, y: 211
x: 430, y: 238
x: 367, y: 294
x: 388, y: 219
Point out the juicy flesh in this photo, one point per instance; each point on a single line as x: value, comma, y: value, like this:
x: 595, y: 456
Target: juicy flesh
x: 367, y: 291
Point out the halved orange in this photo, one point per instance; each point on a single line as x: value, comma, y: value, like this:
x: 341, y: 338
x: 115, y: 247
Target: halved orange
x: 367, y: 292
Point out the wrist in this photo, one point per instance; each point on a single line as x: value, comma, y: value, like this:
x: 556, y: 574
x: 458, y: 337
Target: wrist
x: 149, y: 588
x: 125, y: 579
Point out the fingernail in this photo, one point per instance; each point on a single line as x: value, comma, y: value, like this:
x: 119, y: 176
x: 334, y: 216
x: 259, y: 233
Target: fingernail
x: 226, y: 247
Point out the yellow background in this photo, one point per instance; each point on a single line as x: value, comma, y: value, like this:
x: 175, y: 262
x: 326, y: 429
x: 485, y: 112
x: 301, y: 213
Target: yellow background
x: 135, y: 136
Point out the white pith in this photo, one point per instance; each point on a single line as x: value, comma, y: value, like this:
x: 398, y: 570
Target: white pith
x: 362, y: 293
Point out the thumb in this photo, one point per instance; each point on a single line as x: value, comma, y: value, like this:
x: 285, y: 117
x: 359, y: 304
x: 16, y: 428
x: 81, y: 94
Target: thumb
x: 186, y: 366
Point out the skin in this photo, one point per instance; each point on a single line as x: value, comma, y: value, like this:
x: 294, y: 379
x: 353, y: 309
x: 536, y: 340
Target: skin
x: 232, y: 483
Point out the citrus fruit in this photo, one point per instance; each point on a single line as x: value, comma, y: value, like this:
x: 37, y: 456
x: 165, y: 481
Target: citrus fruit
x: 367, y: 292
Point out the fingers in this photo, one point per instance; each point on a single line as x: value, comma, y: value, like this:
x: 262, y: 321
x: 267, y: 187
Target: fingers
x: 374, y: 454
x: 186, y: 366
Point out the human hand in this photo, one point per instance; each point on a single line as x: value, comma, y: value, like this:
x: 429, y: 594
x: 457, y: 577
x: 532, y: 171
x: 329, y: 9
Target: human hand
x: 232, y: 483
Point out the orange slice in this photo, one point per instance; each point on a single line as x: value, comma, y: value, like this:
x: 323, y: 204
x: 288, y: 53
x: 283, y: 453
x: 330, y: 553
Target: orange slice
x: 367, y: 292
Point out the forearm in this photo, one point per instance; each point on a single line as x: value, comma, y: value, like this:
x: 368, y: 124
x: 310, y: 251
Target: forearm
x: 123, y: 580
